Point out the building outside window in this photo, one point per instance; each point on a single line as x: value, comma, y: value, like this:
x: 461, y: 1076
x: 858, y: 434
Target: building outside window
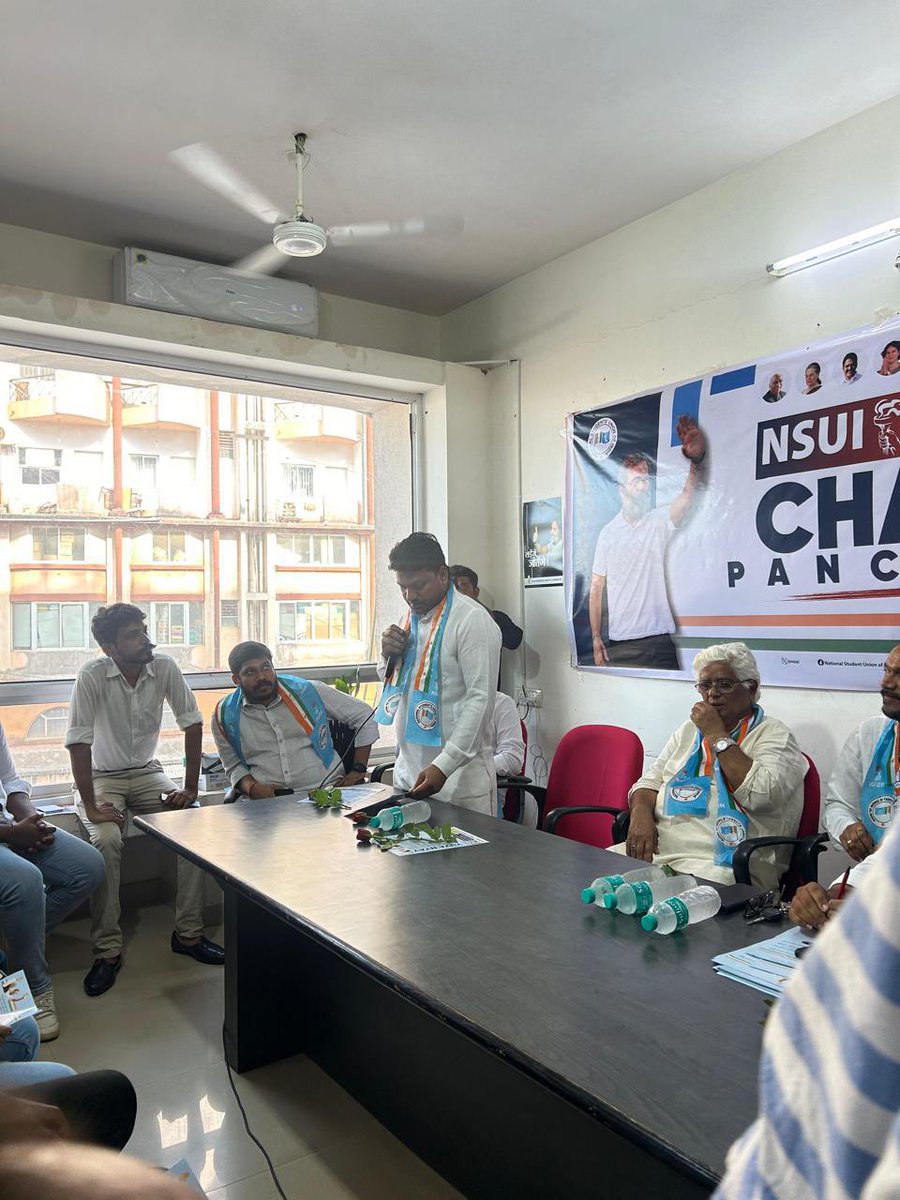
x: 253, y: 525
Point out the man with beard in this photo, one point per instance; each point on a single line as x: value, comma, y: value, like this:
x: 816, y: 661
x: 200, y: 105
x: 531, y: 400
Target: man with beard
x: 861, y: 798
x: 114, y: 722
x: 273, y: 731
x: 629, y: 563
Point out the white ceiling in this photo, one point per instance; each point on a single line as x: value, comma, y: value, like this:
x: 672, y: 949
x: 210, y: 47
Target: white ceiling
x: 544, y: 125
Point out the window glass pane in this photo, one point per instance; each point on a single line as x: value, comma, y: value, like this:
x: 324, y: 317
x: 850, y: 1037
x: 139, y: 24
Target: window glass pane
x: 338, y: 619
x: 320, y: 620
x: 195, y: 629
x: 354, y: 619
x: 286, y: 626
x: 304, y: 621
x: 21, y: 622
x: 177, y: 628
x: 47, y: 622
x: 162, y: 634
x: 71, y: 545
x: 230, y: 614
x: 73, y: 625
x: 45, y: 543
x: 339, y: 550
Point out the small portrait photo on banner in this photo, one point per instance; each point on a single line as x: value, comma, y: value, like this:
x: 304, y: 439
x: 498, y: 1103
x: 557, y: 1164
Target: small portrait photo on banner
x: 543, y: 542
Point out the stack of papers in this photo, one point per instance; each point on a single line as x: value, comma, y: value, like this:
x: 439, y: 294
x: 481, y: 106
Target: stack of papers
x: 768, y: 965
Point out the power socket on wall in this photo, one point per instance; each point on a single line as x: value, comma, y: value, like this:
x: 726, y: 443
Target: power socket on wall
x: 531, y: 697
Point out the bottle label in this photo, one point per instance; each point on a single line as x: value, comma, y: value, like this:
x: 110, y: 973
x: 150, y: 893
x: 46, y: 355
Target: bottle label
x: 613, y: 881
x: 681, y: 911
x: 390, y: 819
x: 643, y: 897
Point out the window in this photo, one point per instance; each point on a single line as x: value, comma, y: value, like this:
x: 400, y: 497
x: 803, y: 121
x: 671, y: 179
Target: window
x: 229, y: 614
x: 318, y: 620
x: 298, y: 478
x: 51, y: 626
x: 51, y: 724
x: 226, y: 445
x: 143, y: 471
x: 178, y: 623
x: 39, y: 466
x: 169, y: 546
x: 52, y: 543
x: 314, y: 549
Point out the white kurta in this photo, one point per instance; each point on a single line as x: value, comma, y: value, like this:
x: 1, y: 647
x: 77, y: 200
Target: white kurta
x: 772, y: 796
x: 844, y: 790
x: 469, y: 665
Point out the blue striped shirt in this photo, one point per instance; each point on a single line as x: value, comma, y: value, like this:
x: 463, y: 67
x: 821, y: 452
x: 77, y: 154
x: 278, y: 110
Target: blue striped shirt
x: 829, y: 1104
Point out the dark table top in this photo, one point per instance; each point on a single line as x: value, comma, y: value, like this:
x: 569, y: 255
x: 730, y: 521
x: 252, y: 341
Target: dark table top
x: 495, y: 939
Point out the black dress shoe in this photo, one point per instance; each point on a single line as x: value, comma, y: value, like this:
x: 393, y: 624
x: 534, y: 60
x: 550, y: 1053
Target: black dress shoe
x: 102, y: 975
x: 204, y: 951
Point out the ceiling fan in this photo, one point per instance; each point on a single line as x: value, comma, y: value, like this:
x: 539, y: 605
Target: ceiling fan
x: 297, y: 236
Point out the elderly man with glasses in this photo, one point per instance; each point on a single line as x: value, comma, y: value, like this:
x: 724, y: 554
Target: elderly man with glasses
x: 728, y: 773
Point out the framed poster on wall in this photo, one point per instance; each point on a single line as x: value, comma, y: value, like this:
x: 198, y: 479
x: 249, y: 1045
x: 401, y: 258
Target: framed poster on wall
x: 542, y: 542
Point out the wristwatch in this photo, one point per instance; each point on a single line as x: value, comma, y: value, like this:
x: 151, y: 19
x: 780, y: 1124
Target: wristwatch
x: 360, y: 768
x: 721, y: 744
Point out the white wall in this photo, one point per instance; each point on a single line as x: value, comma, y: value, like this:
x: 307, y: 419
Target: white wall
x: 49, y: 263
x: 673, y: 296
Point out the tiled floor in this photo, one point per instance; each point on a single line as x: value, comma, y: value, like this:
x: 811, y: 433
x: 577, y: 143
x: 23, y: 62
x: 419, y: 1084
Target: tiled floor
x: 162, y: 1025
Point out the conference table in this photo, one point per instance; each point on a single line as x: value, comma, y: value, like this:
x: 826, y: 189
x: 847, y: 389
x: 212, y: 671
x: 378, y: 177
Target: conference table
x: 522, y: 1043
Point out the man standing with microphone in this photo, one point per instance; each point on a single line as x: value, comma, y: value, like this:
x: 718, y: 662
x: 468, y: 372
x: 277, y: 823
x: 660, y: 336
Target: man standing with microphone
x: 440, y: 678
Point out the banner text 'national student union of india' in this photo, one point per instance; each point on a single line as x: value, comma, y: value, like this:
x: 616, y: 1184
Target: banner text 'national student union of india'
x: 784, y: 535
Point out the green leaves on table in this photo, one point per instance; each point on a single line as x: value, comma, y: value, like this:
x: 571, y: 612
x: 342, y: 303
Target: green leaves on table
x: 324, y: 798
x: 417, y: 832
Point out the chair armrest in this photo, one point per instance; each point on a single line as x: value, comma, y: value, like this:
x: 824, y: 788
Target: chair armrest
x: 376, y: 773
x: 512, y: 780
x: 553, y: 818
x: 809, y: 848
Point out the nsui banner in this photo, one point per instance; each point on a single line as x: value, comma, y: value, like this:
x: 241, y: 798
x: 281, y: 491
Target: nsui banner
x: 781, y: 530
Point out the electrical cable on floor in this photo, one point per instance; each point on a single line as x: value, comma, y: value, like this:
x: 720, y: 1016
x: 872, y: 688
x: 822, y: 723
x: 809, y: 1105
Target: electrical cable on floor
x: 250, y: 1134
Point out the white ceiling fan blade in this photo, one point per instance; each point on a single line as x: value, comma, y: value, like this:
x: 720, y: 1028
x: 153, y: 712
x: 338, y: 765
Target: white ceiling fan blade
x: 264, y: 261
x: 209, y: 168
x: 346, y: 235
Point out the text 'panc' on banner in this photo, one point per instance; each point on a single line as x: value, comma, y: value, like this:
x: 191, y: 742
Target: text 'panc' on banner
x: 759, y: 504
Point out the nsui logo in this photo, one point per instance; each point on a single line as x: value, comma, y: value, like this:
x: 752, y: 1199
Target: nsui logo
x: 602, y: 439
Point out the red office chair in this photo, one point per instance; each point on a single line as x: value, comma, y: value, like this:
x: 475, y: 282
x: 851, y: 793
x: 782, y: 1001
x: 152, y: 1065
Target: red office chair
x: 593, y: 768
x: 808, y: 843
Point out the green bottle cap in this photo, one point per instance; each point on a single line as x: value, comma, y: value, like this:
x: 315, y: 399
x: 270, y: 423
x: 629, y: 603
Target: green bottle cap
x: 650, y: 922
x: 588, y: 895
x: 609, y: 900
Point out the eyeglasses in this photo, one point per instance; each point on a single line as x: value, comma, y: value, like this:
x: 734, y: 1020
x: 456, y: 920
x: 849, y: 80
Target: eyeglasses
x: 723, y: 686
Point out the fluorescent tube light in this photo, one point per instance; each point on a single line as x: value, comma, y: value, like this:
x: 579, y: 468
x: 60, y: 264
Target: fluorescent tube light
x: 844, y: 245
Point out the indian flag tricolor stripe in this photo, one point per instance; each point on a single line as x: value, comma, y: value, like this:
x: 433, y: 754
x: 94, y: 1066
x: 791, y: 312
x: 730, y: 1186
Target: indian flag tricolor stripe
x: 299, y: 714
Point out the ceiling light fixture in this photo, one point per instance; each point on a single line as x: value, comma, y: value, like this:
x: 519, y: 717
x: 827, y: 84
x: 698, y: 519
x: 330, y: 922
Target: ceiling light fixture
x: 844, y: 245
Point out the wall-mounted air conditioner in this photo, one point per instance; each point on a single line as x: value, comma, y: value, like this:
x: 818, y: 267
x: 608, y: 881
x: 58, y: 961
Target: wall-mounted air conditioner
x: 180, y: 285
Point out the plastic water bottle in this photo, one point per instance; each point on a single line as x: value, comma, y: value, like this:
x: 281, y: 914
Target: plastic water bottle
x: 634, y: 899
x: 698, y: 904
x: 607, y: 884
x: 389, y: 820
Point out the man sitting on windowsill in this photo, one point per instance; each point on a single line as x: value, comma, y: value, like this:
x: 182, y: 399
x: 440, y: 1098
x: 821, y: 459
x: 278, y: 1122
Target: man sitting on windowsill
x: 273, y: 731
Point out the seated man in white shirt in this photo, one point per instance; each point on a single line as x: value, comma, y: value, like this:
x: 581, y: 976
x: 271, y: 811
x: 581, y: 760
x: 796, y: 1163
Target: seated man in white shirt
x: 860, y: 799
x: 440, y: 671
x: 114, y: 723
x: 273, y: 732
x: 727, y: 774
x: 508, y: 747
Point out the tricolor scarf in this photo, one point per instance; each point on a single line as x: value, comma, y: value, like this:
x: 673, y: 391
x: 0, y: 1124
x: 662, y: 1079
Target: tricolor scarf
x: 881, y: 785
x: 687, y: 793
x: 423, y: 713
x: 304, y: 704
